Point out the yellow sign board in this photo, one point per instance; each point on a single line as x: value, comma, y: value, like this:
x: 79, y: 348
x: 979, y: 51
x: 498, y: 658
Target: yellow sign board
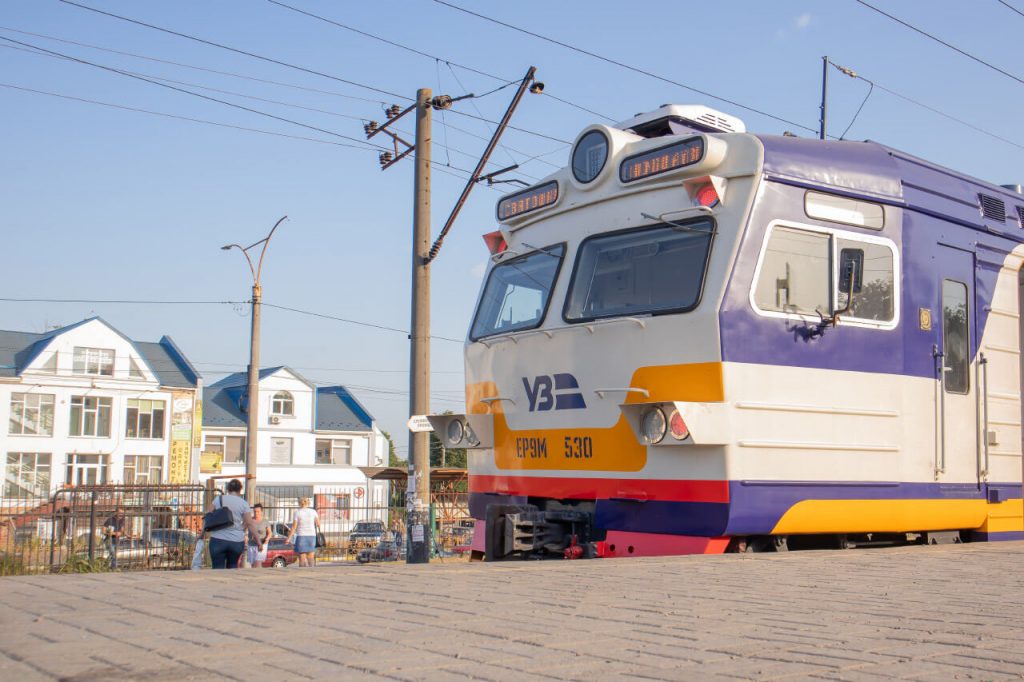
x: 211, y: 462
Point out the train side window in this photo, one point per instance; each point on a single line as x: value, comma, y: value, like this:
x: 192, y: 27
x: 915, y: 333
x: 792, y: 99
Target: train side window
x: 955, y: 333
x: 795, y: 273
x: 873, y: 288
x: 844, y: 210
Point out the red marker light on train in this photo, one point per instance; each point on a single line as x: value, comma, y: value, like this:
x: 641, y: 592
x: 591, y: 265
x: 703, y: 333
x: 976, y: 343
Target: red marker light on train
x: 706, y: 196
x: 677, y: 426
x: 495, y: 242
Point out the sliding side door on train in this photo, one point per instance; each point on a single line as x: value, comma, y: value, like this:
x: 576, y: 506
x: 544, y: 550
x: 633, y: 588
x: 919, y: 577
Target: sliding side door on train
x: 956, y: 458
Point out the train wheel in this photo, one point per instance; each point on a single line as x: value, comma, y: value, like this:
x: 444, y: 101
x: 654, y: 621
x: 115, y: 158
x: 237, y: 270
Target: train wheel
x: 780, y: 543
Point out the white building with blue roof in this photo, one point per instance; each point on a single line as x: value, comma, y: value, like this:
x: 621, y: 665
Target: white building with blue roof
x: 312, y: 442
x: 84, y: 405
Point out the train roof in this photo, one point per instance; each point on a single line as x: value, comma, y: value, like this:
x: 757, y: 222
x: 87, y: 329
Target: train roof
x: 870, y: 170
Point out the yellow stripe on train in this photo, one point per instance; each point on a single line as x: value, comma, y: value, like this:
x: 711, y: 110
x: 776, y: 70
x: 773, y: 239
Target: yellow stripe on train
x: 898, y: 516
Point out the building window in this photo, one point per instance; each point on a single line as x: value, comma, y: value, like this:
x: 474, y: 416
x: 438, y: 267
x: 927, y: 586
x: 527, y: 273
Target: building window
x: 87, y: 469
x: 31, y: 414
x: 90, y: 416
x: 95, y: 361
x: 333, y: 451
x: 134, y: 371
x: 280, y: 450
x: 232, y: 448
x: 143, y: 469
x: 145, y: 419
x: 283, y: 405
x: 27, y: 474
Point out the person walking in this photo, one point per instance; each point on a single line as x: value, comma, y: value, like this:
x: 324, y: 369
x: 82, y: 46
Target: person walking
x: 113, y: 530
x: 305, y: 526
x: 256, y: 550
x: 228, y: 544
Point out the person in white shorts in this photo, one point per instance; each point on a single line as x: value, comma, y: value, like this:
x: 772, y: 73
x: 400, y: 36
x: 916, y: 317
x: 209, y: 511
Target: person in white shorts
x: 256, y: 550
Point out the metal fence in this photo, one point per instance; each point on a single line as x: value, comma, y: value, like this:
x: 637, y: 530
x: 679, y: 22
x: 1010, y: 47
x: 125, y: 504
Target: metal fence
x: 96, y: 528
x: 150, y: 527
x: 350, y: 528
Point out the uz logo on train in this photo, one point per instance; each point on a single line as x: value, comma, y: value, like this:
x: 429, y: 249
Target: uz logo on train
x: 553, y: 392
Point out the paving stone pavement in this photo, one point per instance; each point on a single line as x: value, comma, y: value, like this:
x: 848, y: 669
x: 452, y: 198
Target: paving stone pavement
x: 919, y: 613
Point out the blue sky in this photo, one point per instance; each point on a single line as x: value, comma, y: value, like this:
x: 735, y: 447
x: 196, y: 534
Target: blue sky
x: 102, y: 203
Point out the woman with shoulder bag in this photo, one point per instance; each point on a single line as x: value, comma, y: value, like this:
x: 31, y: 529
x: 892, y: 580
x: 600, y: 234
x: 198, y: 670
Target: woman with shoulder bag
x: 227, y: 543
x: 305, y: 527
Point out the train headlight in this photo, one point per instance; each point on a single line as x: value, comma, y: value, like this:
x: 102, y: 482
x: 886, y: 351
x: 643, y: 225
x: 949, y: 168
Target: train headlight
x: 455, y: 432
x: 653, y: 426
x: 677, y: 426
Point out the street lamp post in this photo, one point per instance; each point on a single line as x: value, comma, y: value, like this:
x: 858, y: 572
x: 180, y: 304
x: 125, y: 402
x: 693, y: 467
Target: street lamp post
x: 252, y: 393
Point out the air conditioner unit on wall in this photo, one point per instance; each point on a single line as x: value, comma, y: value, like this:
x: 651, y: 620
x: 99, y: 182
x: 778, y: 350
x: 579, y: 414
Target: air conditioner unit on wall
x: 274, y: 419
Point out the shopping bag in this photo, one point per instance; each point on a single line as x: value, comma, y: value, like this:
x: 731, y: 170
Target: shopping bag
x: 197, y: 556
x: 221, y: 517
x: 321, y: 541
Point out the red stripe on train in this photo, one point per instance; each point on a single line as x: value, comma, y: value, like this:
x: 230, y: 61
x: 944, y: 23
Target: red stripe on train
x: 602, y: 488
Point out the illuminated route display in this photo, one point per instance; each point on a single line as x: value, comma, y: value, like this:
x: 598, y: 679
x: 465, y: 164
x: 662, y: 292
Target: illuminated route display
x: 528, y: 200
x: 662, y: 160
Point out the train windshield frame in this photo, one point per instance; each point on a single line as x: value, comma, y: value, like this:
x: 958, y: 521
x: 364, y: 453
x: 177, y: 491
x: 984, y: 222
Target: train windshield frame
x: 652, y: 270
x: 514, y: 286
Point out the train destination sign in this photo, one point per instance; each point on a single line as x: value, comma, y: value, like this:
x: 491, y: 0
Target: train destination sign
x: 661, y: 160
x: 528, y: 200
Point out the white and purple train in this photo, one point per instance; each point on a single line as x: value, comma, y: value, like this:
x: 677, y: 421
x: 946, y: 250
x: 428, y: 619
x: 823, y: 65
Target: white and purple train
x: 695, y: 339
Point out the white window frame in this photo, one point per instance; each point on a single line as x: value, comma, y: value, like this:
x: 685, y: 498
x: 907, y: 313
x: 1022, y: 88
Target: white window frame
x: 38, y: 407
x: 93, y: 358
x: 834, y: 236
x: 219, y: 443
x: 97, y: 410
x: 278, y: 403
x: 336, y: 445
x: 154, y: 464
x: 73, y: 465
x: 34, y: 483
x: 138, y: 418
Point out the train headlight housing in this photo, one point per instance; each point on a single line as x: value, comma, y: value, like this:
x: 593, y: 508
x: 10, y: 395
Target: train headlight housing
x: 677, y: 426
x: 454, y: 432
x: 653, y: 425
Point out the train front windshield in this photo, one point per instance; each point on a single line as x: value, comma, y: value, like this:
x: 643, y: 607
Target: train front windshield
x: 517, y: 293
x: 650, y: 270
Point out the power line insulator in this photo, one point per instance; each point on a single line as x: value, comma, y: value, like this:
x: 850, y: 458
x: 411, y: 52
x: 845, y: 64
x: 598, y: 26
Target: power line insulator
x: 370, y: 127
x: 385, y: 158
x: 392, y: 111
x: 441, y: 102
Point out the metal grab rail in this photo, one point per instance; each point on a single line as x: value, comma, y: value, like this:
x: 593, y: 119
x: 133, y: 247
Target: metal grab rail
x: 940, y: 455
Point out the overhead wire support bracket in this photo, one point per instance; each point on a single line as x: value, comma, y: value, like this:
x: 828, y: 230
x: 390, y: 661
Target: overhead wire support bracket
x: 489, y: 178
x: 474, y: 178
x: 393, y: 113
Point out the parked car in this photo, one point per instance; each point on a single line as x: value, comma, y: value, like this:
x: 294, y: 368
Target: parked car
x: 134, y: 552
x: 280, y: 553
x: 386, y: 550
x: 178, y: 543
x: 365, y: 535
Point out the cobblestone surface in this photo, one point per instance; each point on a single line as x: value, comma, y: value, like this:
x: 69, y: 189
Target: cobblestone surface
x: 918, y: 613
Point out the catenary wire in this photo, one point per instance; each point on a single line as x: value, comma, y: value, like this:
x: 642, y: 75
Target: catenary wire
x: 196, y: 68
x: 1011, y: 7
x: 430, y: 56
x: 236, y: 50
x: 936, y: 39
x: 620, y: 64
x: 233, y: 105
x: 932, y: 109
x: 195, y: 302
x: 183, y: 118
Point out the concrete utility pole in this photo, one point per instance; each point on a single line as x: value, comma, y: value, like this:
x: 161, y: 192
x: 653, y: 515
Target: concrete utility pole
x: 418, y: 504
x: 253, y: 391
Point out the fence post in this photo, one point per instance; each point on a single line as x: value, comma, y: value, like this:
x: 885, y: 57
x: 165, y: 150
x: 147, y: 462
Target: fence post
x: 92, y: 527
